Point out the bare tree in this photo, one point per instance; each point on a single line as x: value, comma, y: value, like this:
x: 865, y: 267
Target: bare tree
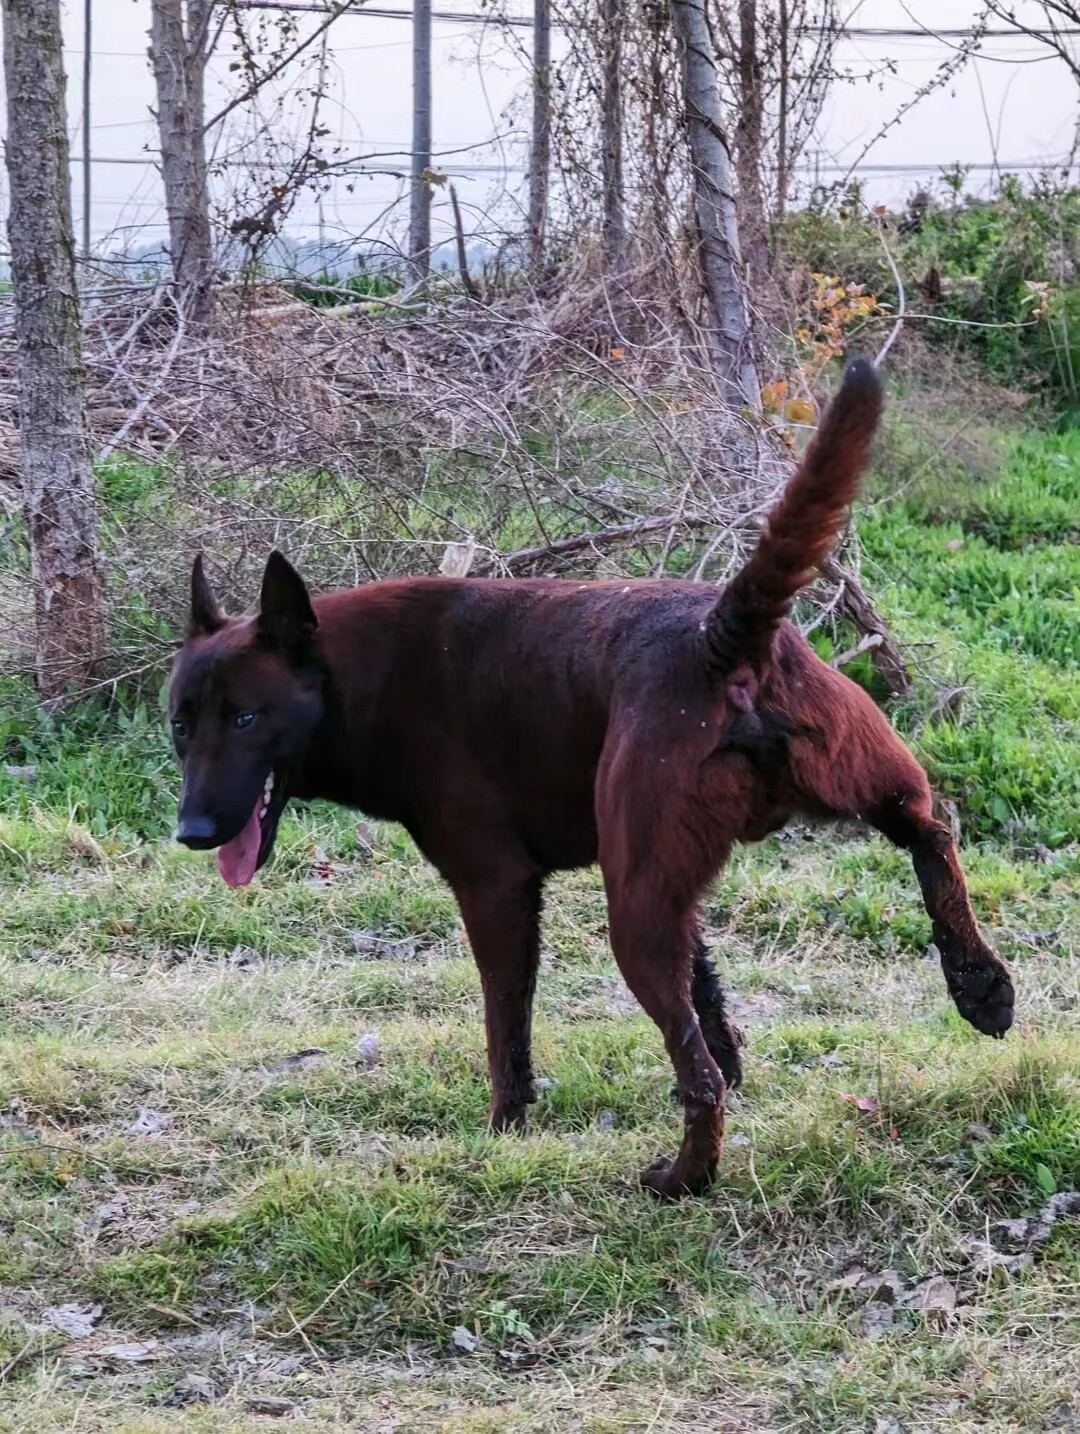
x: 611, y: 135
x: 179, y: 45
x: 57, y: 480
x: 714, y: 205
x: 749, y: 149
x: 540, y: 155
x: 783, y: 58
x: 1056, y: 28
x: 420, y: 206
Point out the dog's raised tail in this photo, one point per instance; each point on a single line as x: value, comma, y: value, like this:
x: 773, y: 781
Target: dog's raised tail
x: 801, y: 528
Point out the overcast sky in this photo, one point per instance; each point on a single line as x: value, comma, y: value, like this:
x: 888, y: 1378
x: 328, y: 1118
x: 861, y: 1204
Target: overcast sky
x: 1012, y: 99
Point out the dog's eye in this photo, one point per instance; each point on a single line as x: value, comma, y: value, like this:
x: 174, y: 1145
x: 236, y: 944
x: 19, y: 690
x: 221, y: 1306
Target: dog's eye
x: 179, y: 727
x: 243, y: 719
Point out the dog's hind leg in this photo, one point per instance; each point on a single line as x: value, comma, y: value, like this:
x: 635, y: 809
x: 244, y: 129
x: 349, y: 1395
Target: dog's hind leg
x: 879, y: 780
x: 723, y: 1039
x: 653, y: 943
x: 654, y: 869
x: 978, y: 980
x: 502, y: 918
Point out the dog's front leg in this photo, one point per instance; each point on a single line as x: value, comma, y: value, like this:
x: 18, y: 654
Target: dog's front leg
x: 503, y: 924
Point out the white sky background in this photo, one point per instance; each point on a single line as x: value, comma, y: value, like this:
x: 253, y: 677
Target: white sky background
x: 1012, y: 97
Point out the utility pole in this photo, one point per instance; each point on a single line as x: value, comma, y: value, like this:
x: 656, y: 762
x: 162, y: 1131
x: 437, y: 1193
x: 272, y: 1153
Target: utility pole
x: 420, y: 199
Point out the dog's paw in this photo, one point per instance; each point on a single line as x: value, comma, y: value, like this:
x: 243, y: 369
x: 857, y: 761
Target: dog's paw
x: 508, y: 1119
x: 662, y: 1180
x: 984, y: 996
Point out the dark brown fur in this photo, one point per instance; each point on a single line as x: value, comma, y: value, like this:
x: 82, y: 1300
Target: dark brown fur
x: 521, y: 727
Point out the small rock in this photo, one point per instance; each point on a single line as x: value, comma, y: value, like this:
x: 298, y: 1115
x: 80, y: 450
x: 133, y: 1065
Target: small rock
x: 979, y: 1134
x: 878, y: 1287
x: 1065, y: 1418
x: 191, y: 1389
x: 464, y: 1340
x: 78, y: 1321
x: 829, y: 1061
x: 379, y: 948
x: 739, y: 1138
x: 149, y: 1122
x: 934, y: 1298
x: 542, y: 1084
x: 876, y: 1320
x: 933, y: 954
x: 299, y: 1060
x: 21, y: 774
x: 607, y: 1120
x: 138, y: 1352
x: 1014, y: 1233
x: 473, y: 1265
x: 107, y: 1212
x: 367, y: 1048
x: 985, y: 1258
x: 861, y: 1102
x: 270, y: 1404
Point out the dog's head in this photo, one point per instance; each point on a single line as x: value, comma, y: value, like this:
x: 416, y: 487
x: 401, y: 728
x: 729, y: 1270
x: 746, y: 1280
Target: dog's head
x: 245, y: 702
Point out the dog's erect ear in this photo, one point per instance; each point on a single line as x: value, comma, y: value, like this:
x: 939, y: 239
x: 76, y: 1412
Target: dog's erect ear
x: 286, y: 617
x: 206, y: 617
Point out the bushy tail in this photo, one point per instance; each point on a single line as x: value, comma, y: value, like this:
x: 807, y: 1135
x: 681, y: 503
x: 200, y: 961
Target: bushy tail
x: 801, y: 528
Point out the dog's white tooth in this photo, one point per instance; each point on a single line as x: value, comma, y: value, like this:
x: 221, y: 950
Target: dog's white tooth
x: 263, y: 813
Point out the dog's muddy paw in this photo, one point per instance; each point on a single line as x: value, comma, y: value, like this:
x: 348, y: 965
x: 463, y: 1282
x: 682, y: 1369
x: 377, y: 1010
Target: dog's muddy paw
x: 984, y: 996
x: 657, y: 1180
x: 660, y: 1180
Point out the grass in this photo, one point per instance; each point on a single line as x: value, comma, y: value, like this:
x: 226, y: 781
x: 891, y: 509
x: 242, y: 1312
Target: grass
x: 261, y: 1218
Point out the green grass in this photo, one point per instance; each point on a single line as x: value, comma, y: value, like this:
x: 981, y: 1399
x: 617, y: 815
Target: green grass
x: 319, y: 1230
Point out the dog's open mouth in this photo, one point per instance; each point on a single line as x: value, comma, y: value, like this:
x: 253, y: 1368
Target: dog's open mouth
x: 241, y: 858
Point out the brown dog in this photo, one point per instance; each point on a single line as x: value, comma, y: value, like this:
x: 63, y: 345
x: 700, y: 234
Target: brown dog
x: 521, y: 727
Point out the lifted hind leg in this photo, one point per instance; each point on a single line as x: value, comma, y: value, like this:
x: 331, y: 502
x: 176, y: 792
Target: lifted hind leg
x: 871, y: 774
x: 978, y: 981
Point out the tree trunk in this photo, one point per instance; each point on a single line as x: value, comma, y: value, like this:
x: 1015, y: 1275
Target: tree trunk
x: 57, y: 481
x: 714, y: 206
x: 420, y: 206
x: 611, y: 134
x: 540, y: 156
x: 783, y: 41
x: 178, y: 56
x: 748, y: 151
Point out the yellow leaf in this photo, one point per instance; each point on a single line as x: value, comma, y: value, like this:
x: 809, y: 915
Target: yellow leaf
x: 799, y: 410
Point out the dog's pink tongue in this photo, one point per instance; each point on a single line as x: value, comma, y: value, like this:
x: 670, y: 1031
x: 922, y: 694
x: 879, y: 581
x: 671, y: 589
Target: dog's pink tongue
x: 238, y: 858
